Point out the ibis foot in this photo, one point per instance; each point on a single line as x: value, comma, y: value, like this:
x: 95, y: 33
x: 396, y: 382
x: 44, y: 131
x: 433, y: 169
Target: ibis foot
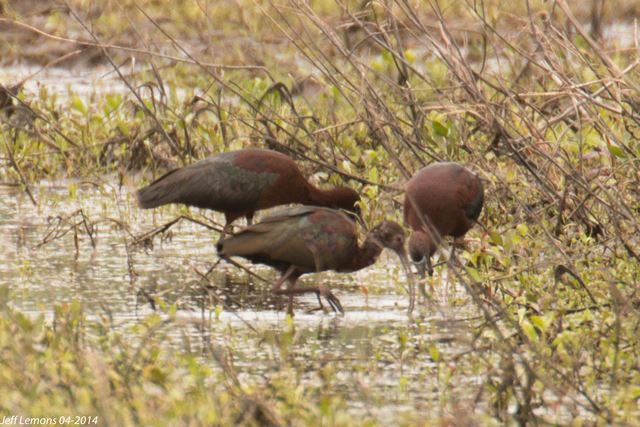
x: 333, y: 301
x: 320, y: 290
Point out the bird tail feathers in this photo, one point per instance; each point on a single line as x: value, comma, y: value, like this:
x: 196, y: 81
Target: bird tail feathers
x: 157, y: 193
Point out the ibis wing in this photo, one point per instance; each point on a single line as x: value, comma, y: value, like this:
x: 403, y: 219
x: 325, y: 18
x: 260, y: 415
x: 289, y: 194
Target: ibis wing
x: 278, y: 239
x: 475, y: 200
x: 310, y: 238
x: 289, y: 213
x: 213, y: 183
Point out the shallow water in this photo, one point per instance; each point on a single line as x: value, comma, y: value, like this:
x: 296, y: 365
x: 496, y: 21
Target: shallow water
x: 78, y: 81
x: 236, y: 312
x: 84, y: 83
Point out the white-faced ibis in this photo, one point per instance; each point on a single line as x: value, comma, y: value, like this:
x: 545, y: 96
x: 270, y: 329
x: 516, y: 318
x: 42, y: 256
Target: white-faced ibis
x: 307, y: 239
x: 238, y: 183
x: 442, y: 199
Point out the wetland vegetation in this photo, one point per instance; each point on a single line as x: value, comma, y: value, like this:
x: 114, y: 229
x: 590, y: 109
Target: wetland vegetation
x: 104, y: 313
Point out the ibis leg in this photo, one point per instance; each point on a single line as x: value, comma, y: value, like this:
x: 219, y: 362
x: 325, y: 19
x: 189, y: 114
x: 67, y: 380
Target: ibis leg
x: 290, y: 285
x: 449, y: 264
x: 277, y: 287
x: 320, y: 305
x: 424, y: 267
x: 225, y: 230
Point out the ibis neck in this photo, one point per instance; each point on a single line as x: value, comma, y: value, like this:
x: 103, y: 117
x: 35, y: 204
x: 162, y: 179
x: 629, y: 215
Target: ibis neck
x: 366, y: 255
x: 321, y: 197
x: 421, y: 244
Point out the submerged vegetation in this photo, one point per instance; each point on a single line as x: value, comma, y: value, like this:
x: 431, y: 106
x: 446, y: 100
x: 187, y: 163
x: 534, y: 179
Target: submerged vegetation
x: 540, y: 98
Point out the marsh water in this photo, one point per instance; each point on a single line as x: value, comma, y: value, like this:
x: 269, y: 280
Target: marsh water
x: 49, y: 261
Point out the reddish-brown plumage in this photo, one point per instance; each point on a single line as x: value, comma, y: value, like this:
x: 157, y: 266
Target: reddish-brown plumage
x: 238, y: 183
x: 442, y: 199
x: 303, y: 240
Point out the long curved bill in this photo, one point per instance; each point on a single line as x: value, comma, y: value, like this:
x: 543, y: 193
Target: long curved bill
x: 412, y: 284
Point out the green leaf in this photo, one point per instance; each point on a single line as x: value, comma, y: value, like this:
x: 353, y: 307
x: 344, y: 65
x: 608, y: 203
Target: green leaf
x: 290, y: 322
x: 113, y: 101
x: 538, y: 322
x: 335, y: 91
x: 474, y: 274
x: 635, y: 392
x: 325, y: 406
x: 523, y: 229
x: 377, y: 65
x: 78, y: 105
x: 616, y: 151
x: 434, y: 353
x: 530, y: 331
x: 373, y: 175
x: 580, y: 42
x: 495, y: 238
x: 440, y: 129
x: 73, y: 190
x: 410, y: 55
x: 386, y: 56
x: 76, y: 308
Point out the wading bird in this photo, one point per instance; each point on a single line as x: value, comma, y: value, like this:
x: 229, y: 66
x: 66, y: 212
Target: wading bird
x: 238, y: 183
x: 301, y: 240
x: 442, y: 199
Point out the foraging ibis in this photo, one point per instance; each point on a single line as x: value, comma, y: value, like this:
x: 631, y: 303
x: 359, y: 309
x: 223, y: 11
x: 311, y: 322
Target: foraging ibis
x: 442, y: 199
x: 307, y: 239
x: 238, y: 183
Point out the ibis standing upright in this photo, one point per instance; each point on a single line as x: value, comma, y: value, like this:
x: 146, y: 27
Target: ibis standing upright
x: 442, y: 199
x: 238, y: 183
x: 307, y: 239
